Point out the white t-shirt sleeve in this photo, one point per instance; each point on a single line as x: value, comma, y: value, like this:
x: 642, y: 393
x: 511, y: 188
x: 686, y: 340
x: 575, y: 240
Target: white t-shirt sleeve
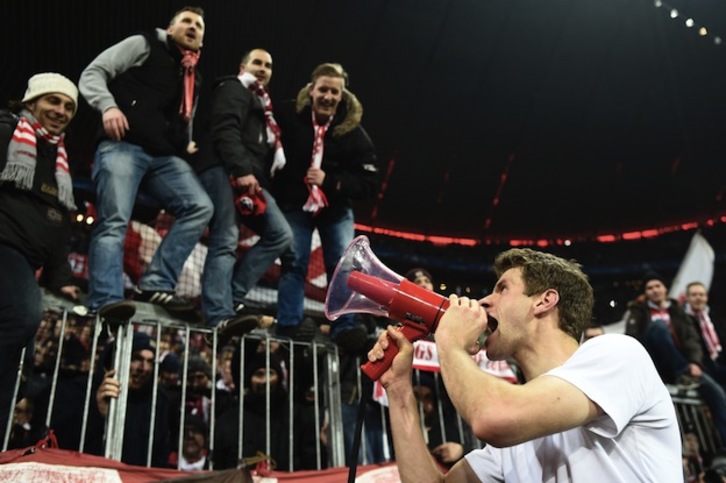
x: 616, y: 373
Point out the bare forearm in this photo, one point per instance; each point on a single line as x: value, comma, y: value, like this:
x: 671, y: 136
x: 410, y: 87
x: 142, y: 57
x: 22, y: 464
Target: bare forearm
x: 415, y: 464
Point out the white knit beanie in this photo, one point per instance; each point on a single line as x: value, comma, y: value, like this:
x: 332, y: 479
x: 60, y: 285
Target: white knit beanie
x: 48, y: 82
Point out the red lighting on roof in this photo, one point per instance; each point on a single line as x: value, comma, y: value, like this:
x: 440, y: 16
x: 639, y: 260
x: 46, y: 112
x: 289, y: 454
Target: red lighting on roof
x: 541, y: 242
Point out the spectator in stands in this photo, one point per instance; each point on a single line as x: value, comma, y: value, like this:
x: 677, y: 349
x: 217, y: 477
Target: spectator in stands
x: 138, y: 409
x: 169, y: 368
x: 36, y: 203
x: 600, y: 412
x: 195, y: 450
x: 145, y: 89
x: 331, y: 161
x: 28, y: 427
x: 235, y: 167
x: 421, y: 277
x: 431, y: 398
x: 711, y: 330
x: 669, y: 335
x: 258, y: 384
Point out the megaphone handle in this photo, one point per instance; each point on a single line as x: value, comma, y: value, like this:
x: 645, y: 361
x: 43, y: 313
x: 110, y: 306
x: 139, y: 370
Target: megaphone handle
x: 374, y: 370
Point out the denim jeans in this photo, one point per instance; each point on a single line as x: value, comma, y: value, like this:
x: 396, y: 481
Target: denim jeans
x: 335, y: 226
x: 119, y: 169
x: 666, y: 356
x: 671, y: 363
x: 20, y: 313
x: 227, y: 279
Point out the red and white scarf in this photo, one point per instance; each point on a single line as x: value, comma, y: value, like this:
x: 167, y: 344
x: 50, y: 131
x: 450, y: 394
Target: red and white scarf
x: 316, y: 199
x: 713, y: 344
x: 273, y: 130
x: 189, y: 62
x: 22, y: 158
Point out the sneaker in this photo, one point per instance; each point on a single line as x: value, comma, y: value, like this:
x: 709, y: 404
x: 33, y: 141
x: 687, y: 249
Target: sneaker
x: 686, y: 382
x: 236, y: 327
x: 305, y: 332
x: 169, y: 300
x: 354, y: 341
x: 115, y: 313
x: 118, y: 311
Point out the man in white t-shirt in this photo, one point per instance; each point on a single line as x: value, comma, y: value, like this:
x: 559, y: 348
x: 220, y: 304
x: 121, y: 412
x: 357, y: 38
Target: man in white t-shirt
x: 596, y: 411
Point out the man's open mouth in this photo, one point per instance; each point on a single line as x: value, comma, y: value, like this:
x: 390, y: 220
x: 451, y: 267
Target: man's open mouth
x: 492, y: 323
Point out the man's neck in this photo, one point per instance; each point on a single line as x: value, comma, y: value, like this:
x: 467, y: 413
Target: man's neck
x: 550, y: 347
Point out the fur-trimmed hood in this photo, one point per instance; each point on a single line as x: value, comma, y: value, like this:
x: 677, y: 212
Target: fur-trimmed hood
x: 353, y: 110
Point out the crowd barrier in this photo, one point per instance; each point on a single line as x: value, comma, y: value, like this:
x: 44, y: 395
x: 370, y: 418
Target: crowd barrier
x: 312, y: 376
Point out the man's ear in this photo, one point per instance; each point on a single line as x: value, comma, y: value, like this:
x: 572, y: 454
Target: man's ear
x: 546, y: 301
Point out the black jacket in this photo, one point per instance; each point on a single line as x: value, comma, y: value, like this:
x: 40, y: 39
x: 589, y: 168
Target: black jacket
x: 238, y: 133
x: 150, y: 96
x: 34, y: 222
x: 684, y: 333
x: 349, y: 158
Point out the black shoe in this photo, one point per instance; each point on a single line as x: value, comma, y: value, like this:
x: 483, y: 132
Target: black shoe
x: 118, y: 311
x: 305, y: 332
x: 235, y: 327
x: 354, y: 341
x: 239, y: 307
x: 169, y: 300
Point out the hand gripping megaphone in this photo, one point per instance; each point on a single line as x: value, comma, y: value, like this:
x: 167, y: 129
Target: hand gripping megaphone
x: 361, y: 283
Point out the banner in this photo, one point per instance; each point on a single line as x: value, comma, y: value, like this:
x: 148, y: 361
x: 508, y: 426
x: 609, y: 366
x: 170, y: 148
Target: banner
x: 426, y: 358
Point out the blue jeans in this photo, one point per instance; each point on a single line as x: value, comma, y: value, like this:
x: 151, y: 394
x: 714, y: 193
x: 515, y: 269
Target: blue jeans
x: 119, y: 169
x: 671, y: 363
x: 335, y: 226
x: 20, y: 313
x: 225, y: 278
x: 666, y: 356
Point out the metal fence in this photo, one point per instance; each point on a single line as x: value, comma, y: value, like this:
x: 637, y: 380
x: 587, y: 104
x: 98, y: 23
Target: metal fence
x: 304, y: 420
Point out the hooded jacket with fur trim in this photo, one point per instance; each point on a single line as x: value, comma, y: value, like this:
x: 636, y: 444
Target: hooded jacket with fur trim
x: 349, y: 158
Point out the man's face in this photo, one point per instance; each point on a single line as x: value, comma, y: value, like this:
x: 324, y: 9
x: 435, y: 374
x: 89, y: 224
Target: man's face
x: 326, y: 94
x: 53, y: 111
x: 425, y: 397
x: 508, y: 310
x: 259, y: 380
x: 259, y: 64
x: 187, y: 30
x: 194, y: 442
x: 197, y: 381
x: 697, y: 297
x: 656, y: 292
x: 142, y: 364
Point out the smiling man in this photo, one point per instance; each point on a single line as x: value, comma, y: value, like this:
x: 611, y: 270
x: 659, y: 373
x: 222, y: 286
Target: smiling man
x: 145, y: 88
x: 330, y: 162
x: 36, y: 202
x: 244, y: 153
x: 593, y: 410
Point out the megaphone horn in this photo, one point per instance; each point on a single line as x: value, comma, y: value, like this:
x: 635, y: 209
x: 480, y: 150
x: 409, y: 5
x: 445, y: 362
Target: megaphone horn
x: 361, y: 283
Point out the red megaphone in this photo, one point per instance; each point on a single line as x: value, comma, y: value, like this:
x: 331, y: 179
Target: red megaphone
x: 361, y: 283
